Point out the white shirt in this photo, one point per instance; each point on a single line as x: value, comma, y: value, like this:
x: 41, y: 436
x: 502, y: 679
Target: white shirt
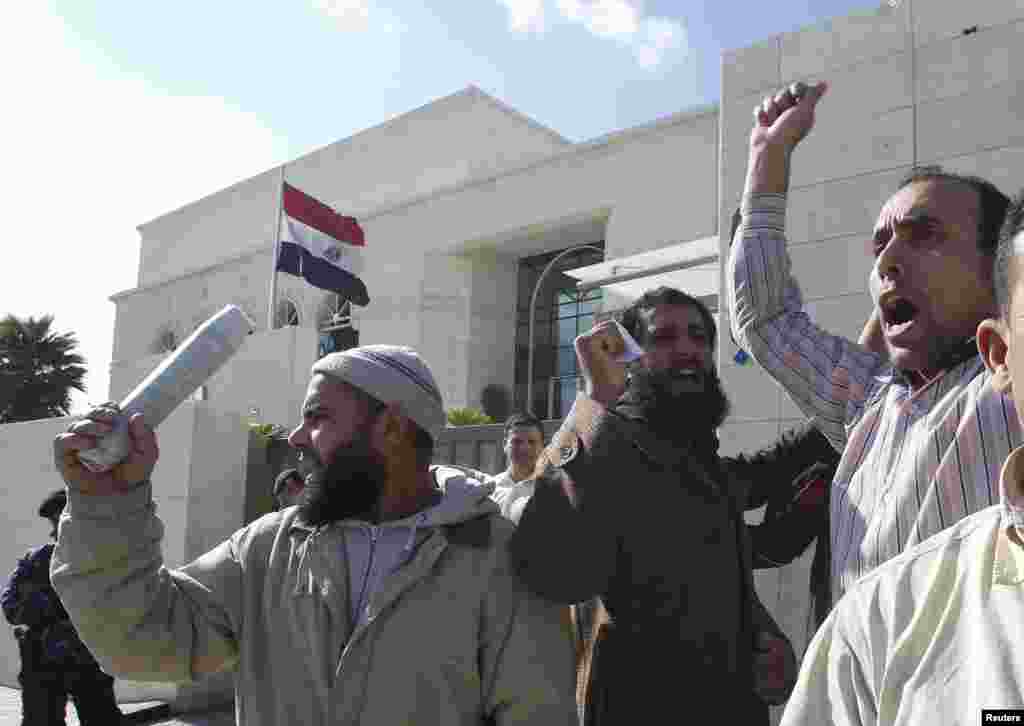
x: 510, y: 496
x: 931, y: 637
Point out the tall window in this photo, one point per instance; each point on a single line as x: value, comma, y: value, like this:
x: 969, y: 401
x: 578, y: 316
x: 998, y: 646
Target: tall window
x: 576, y: 315
x: 334, y: 323
x: 561, y: 315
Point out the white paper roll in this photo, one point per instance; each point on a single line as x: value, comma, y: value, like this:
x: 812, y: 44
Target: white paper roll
x: 174, y: 380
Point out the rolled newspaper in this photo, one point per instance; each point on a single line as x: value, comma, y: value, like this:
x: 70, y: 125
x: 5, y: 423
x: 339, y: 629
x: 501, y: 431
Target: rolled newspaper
x: 174, y: 380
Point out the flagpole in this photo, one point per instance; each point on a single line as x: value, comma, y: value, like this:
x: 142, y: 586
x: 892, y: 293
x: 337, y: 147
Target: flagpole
x: 277, y: 250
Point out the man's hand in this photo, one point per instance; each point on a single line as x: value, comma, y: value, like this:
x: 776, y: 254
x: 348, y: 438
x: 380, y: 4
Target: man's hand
x: 597, y: 352
x: 774, y: 668
x: 787, y: 117
x: 82, y: 435
x: 780, y: 123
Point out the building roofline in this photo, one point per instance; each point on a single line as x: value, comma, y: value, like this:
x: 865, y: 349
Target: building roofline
x: 478, y: 93
x: 470, y: 92
x: 118, y: 296
x: 582, y: 148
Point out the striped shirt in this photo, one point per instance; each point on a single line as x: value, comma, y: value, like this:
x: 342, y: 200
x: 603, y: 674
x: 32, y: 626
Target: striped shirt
x: 913, y: 462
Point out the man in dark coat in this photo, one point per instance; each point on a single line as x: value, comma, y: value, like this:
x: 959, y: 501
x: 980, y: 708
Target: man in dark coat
x: 54, y: 661
x: 633, y: 504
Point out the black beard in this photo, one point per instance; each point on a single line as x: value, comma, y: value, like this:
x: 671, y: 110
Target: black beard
x: 674, y: 407
x: 348, y: 487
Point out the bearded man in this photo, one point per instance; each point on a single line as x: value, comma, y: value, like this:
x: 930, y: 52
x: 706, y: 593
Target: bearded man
x: 386, y: 597
x: 633, y: 504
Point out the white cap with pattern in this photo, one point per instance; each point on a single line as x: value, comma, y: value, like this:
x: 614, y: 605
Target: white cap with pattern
x: 392, y: 374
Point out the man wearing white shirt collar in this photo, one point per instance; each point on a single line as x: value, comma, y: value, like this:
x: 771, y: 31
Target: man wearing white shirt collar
x: 523, y: 443
x: 932, y: 636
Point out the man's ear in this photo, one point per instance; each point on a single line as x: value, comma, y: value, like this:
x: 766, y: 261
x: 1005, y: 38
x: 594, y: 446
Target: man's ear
x: 991, y: 337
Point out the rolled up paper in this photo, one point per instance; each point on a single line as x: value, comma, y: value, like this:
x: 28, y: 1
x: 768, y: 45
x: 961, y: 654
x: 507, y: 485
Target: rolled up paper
x: 174, y: 380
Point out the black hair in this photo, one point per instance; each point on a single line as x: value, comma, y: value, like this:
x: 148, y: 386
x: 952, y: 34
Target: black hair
x: 523, y: 420
x: 633, y: 317
x: 992, y: 203
x: 1012, y: 226
x: 53, y: 505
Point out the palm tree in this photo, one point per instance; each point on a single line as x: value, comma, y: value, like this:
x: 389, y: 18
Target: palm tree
x: 38, y: 369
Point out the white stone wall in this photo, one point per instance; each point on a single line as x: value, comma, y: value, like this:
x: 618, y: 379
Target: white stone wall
x: 199, y: 486
x: 29, y: 476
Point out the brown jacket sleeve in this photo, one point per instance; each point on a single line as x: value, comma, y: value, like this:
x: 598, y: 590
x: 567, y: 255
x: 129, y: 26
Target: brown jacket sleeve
x: 565, y: 545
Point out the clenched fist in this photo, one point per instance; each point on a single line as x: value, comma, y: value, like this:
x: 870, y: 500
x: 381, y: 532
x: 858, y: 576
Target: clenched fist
x: 82, y: 435
x: 597, y: 352
x: 783, y: 120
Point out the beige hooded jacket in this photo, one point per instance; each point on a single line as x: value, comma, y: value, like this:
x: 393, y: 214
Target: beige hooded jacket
x: 448, y: 637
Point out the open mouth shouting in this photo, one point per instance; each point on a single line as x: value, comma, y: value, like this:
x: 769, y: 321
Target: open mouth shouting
x: 898, y: 316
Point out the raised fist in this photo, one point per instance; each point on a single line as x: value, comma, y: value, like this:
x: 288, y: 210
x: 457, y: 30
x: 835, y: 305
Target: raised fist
x: 783, y: 120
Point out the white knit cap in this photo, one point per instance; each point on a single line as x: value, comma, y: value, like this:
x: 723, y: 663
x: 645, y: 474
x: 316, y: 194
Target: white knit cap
x: 392, y: 374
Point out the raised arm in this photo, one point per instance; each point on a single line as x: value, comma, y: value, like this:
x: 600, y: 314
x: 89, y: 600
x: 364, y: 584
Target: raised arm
x: 565, y: 542
x: 140, y: 620
x: 827, y: 376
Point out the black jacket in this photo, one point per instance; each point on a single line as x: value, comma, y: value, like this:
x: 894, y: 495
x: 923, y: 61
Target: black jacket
x: 656, y: 530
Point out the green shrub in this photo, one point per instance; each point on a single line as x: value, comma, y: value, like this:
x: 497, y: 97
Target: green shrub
x: 266, y: 432
x: 468, y: 417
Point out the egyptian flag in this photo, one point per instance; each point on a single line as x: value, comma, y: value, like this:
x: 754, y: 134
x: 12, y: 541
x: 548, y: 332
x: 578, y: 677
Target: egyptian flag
x: 321, y: 245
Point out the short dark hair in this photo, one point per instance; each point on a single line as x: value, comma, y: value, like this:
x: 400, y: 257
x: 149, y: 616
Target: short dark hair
x: 283, y: 478
x: 1012, y: 226
x: 632, y: 317
x: 992, y: 203
x: 53, y: 505
x: 523, y: 420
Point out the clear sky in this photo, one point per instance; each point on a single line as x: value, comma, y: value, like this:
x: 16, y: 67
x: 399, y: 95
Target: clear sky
x: 118, y: 111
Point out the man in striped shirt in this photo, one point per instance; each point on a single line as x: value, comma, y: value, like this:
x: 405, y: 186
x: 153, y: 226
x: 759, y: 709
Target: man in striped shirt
x: 923, y: 434
x: 930, y: 636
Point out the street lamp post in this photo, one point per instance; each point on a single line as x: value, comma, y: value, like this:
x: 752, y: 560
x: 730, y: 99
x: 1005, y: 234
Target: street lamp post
x: 533, y: 305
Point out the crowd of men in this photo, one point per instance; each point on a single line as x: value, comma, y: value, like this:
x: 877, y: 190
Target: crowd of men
x: 607, y: 575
